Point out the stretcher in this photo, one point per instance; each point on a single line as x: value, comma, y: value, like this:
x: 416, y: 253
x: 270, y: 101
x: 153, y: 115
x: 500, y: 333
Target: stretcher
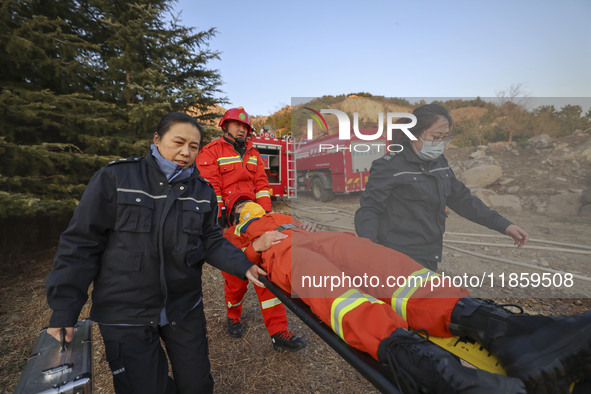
x: 379, y: 374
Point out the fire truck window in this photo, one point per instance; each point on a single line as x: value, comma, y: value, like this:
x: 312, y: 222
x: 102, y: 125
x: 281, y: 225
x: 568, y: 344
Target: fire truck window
x: 273, y: 169
x: 272, y: 164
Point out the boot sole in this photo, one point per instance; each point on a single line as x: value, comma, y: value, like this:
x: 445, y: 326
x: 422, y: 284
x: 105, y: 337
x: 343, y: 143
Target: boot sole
x: 282, y: 348
x: 553, y: 369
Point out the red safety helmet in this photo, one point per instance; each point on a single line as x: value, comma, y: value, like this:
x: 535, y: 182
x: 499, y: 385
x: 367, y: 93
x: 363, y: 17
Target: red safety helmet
x: 238, y: 114
x: 240, y: 196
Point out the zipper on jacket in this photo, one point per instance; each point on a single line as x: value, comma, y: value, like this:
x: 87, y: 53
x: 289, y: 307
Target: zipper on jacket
x: 165, y: 211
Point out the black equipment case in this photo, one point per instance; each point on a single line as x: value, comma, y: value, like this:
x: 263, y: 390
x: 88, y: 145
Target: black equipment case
x: 58, y: 368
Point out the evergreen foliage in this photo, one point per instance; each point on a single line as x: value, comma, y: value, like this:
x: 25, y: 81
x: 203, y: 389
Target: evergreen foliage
x: 83, y: 82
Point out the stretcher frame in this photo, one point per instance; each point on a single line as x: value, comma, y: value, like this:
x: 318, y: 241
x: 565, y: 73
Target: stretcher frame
x: 375, y: 372
x: 379, y: 374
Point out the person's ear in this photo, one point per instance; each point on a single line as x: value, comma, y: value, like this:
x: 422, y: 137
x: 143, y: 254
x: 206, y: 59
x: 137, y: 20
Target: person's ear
x: 156, y: 138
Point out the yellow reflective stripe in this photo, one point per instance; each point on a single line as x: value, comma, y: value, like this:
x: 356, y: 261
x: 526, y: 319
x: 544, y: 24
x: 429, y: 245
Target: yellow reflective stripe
x: 233, y: 305
x: 345, y: 303
x: 401, y: 296
x: 229, y: 160
x: 243, y: 249
x: 270, y: 303
x: 219, y: 198
x: 252, y: 160
x: 334, y: 311
x: 239, y: 227
x: 262, y: 193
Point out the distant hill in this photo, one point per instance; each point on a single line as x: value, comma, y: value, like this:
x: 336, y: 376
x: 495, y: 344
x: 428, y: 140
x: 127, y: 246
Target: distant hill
x: 476, y: 121
x: 214, y: 113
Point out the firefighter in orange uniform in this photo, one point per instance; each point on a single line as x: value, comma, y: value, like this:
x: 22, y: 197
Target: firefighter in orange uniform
x: 234, y: 167
x: 377, y: 319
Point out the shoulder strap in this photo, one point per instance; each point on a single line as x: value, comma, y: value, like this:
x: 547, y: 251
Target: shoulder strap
x: 285, y: 227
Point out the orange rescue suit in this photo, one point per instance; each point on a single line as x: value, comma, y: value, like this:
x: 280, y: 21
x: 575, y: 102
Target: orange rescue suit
x: 220, y: 164
x: 366, y: 313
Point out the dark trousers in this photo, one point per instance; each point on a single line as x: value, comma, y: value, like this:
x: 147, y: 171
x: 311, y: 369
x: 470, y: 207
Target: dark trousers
x: 139, y: 363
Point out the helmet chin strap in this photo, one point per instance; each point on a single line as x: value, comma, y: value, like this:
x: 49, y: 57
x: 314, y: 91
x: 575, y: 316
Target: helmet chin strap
x: 238, y: 141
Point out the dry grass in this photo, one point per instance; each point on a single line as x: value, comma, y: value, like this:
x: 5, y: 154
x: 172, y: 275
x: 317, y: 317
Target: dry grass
x: 248, y: 364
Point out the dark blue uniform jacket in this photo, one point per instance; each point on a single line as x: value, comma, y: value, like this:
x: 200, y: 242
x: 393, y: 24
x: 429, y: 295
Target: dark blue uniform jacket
x: 142, y: 243
x: 403, y: 205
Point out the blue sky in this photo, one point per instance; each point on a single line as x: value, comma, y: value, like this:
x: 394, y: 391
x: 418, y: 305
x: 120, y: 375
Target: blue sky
x: 272, y: 51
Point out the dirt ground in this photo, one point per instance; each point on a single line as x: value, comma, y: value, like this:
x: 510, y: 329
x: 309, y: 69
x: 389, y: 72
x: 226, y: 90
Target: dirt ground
x: 251, y: 365
x: 247, y: 365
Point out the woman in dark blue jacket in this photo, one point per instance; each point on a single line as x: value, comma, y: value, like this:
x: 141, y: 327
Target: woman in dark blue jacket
x: 141, y: 233
x: 403, y: 205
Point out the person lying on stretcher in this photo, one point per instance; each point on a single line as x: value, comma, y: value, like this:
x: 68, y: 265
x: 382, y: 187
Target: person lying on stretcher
x: 539, y: 353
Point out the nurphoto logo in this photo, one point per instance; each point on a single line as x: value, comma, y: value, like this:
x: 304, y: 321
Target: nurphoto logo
x: 345, y: 127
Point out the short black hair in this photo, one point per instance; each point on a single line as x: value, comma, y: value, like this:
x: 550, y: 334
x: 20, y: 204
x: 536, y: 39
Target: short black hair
x: 427, y: 115
x: 173, y: 118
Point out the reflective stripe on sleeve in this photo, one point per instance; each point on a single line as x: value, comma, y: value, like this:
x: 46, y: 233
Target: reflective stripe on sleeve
x: 262, y: 193
x: 413, y: 282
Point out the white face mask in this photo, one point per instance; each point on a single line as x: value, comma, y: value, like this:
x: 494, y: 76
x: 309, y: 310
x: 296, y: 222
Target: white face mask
x: 431, y: 150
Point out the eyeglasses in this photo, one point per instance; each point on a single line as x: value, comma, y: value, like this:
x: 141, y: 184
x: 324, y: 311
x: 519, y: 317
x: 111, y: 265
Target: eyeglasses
x: 436, y: 141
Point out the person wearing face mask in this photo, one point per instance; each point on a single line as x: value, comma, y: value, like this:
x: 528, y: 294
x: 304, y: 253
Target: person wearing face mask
x: 141, y: 234
x: 404, y: 204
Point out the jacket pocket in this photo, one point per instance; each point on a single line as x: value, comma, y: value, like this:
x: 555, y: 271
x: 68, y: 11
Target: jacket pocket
x: 446, y: 177
x: 193, y: 215
x: 134, y: 212
x: 195, y: 253
x: 230, y: 167
x: 414, y: 188
x: 252, y: 163
x: 121, y: 260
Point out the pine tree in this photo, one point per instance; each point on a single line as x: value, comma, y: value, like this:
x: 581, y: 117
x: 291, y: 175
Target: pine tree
x: 83, y: 82
x: 153, y: 66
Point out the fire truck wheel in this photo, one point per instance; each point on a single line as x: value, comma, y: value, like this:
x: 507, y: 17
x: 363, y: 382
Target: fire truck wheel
x: 320, y: 192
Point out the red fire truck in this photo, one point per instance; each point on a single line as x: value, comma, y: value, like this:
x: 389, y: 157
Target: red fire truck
x: 279, y: 158
x: 324, y: 166
x: 328, y: 165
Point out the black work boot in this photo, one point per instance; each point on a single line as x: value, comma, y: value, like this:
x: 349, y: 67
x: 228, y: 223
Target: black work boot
x: 547, y: 353
x: 420, y: 366
x: 285, y: 340
x: 235, y: 328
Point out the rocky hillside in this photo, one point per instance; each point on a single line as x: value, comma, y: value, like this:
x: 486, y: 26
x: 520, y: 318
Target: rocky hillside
x: 544, y: 175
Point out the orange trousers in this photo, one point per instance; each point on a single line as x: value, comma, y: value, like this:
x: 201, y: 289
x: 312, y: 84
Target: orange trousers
x: 272, y: 309
x: 365, y: 315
